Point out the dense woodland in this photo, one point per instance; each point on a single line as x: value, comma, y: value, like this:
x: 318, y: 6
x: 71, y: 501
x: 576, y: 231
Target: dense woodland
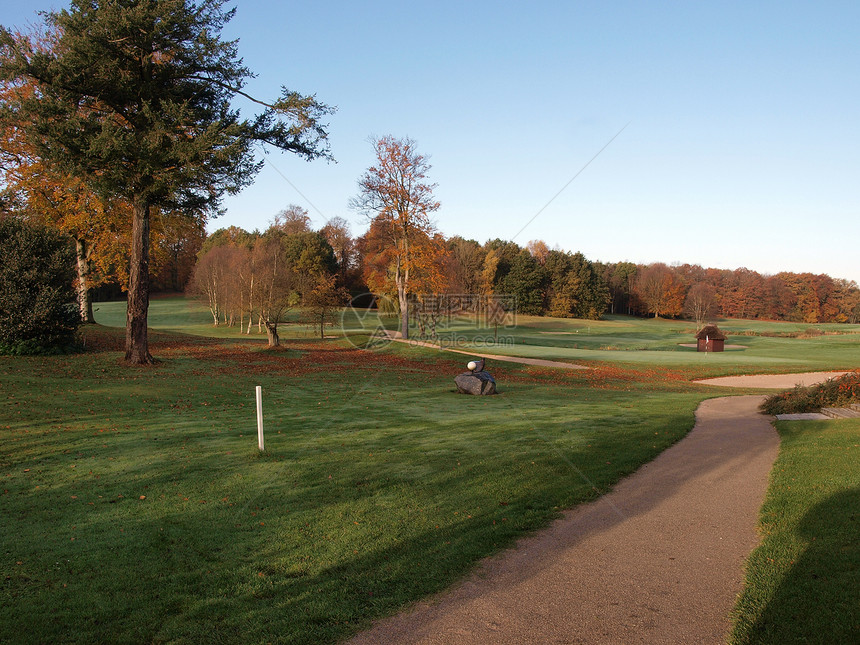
x: 544, y: 281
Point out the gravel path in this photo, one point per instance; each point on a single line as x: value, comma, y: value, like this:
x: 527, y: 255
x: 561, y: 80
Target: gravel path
x: 657, y: 560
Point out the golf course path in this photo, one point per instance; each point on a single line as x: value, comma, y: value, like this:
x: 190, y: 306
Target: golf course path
x: 496, y: 357
x: 657, y: 560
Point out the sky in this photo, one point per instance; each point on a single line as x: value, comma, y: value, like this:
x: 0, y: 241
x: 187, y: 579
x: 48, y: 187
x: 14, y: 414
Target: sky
x: 725, y: 134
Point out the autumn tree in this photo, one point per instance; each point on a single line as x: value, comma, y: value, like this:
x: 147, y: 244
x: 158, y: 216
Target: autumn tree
x: 176, y: 241
x: 44, y: 195
x: 846, y: 300
x: 620, y: 279
x: 337, y: 233
x: 539, y: 250
x: 489, y: 271
x: 395, y: 193
x: 321, y: 304
x: 293, y: 219
x: 660, y: 291
x: 225, y: 256
x: 275, y: 290
x: 701, y: 303
x: 779, y: 300
x: 214, y: 280
x: 136, y: 98
x: 807, y: 306
x: 464, y: 263
x: 742, y: 294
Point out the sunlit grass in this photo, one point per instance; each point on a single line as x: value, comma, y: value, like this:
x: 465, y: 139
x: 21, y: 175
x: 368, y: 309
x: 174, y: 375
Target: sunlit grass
x: 137, y: 508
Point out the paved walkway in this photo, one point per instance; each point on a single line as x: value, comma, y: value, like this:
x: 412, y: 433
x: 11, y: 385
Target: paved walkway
x: 657, y: 560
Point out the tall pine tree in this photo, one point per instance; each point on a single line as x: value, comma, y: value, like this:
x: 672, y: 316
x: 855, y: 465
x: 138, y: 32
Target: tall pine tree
x: 135, y: 96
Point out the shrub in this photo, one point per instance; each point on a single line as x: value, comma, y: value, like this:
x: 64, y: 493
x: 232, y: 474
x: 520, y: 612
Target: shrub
x: 835, y: 392
x: 38, y: 313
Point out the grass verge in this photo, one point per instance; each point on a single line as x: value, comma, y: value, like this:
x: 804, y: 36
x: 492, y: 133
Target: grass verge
x: 802, y: 582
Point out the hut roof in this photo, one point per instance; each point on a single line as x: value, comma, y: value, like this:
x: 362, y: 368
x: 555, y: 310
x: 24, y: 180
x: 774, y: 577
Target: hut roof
x: 712, y: 332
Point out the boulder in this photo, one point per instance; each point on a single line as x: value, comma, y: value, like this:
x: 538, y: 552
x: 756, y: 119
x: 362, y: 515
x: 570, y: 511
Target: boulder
x: 477, y: 383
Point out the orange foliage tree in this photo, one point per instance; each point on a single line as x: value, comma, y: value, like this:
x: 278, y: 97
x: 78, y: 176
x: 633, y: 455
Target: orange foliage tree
x: 41, y: 193
x: 400, y: 246
x: 660, y: 290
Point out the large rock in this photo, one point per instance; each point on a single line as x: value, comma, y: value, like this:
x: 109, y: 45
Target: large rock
x: 477, y: 383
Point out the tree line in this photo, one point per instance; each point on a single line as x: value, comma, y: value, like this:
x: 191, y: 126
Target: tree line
x: 324, y: 268
x: 252, y: 278
x: 702, y: 293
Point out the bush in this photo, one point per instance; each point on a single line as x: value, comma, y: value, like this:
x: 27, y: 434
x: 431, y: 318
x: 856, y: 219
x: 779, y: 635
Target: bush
x: 38, y: 313
x: 836, y: 392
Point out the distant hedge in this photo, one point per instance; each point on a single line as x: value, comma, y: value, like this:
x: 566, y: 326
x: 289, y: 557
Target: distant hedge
x: 836, y: 392
x: 38, y: 312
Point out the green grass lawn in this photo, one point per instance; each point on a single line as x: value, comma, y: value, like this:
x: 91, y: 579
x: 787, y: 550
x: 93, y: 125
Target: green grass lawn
x: 627, y: 340
x: 803, y: 581
x: 137, y: 507
x: 767, y: 346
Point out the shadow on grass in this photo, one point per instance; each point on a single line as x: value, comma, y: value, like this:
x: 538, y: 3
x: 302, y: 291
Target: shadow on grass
x: 823, y: 584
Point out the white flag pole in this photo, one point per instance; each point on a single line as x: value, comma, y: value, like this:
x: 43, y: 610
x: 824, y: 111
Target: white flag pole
x: 260, y: 418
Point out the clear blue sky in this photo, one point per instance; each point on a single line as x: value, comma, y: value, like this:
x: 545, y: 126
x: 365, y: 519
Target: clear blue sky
x: 742, y: 145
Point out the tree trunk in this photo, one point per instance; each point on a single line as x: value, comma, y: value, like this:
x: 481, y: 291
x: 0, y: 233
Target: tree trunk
x: 404, y: 311
x: 250, y: 304
x: 84, y: 301
x: 136, y: 340
x: 272, y: 334
x: 241, y: 310
x: 213, y: 304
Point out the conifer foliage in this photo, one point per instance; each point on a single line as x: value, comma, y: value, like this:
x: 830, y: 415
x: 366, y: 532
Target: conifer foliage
x: 38, y: 312
x: 136, y: 97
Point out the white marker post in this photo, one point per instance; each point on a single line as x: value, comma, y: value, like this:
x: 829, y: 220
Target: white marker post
x: 260, y: 418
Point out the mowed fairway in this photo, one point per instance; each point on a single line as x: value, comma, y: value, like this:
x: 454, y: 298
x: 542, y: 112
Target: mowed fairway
x: 137, y: 507
x: 752, y: 346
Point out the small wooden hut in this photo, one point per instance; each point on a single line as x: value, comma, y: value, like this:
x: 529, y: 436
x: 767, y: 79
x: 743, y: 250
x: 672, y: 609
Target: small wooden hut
x: 710, y: 339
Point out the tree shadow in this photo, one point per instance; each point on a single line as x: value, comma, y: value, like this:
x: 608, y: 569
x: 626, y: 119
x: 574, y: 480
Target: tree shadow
x: 824, y: 580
